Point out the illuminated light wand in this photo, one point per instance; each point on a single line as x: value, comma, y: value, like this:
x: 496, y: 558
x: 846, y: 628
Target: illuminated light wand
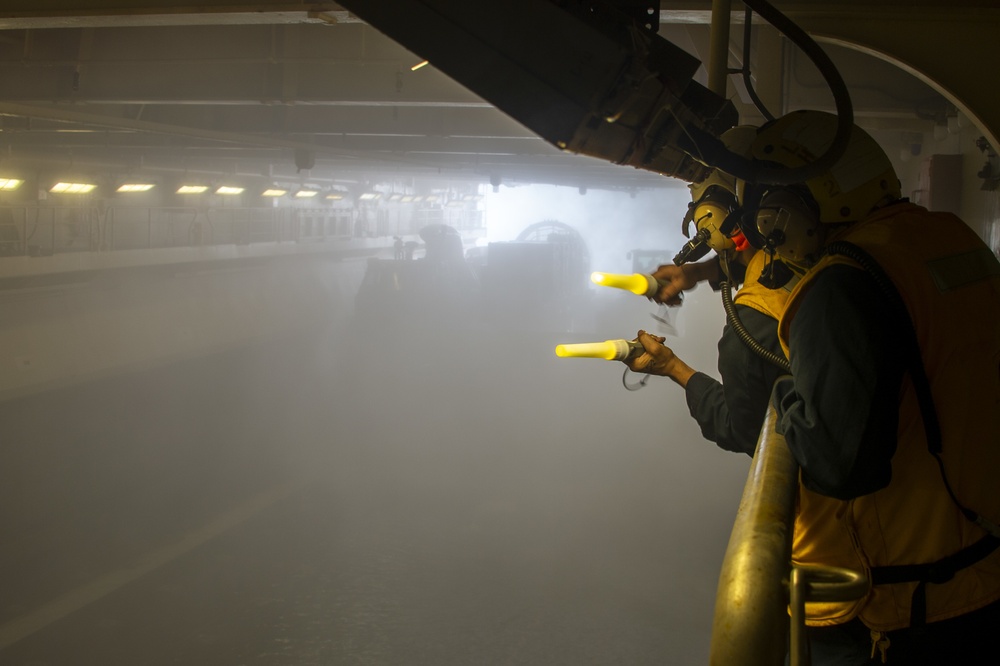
x: 637, y: 283
x: 640, y: 284
x: 609, y: 350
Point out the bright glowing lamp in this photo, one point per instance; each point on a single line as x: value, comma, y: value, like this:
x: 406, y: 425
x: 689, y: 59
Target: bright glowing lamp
x: 73, y: 188
x: 135, y: 187
x: 637, y: 283
x: 609, y: 350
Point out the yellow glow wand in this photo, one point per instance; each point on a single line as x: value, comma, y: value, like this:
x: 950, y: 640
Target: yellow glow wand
x: 609, y: 350
x: 637, y: 283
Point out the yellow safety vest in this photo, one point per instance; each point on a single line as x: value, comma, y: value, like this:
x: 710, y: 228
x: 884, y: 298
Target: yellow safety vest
x: 950, y: 283
x: 755, y: 295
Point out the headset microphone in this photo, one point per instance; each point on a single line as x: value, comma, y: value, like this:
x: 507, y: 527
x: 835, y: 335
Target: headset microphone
x: 694, y: 249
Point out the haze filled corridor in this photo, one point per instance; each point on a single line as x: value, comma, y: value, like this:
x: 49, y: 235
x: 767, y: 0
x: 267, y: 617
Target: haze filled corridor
x: 362, y: 497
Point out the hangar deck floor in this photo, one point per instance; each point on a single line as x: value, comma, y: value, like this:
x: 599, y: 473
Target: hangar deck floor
x: 355, y: 498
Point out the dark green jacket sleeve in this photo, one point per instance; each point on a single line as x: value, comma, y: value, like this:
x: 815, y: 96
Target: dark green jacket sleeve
x: 840, y: 413
x: 731, y: 412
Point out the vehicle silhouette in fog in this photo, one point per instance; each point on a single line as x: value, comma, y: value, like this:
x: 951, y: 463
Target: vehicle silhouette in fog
x: 538, y: 280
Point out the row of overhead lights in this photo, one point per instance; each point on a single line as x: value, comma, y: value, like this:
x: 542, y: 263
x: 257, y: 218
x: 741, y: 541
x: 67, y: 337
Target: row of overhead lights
x: 271, y: 192
x: 8, y: 184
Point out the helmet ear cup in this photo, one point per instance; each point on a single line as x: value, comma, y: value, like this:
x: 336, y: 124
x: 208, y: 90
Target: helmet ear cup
x: 747, y: 223
x: 748, y: 196
x: 788, y: 222
x: 711, y: 212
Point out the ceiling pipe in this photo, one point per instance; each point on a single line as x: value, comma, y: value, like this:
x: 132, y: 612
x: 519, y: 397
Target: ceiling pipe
x: 718, y: 49
x: 25, y: 15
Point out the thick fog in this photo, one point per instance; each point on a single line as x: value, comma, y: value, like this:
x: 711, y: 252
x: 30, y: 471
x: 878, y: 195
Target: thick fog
x: 613, y: 223
x: 415, y: 490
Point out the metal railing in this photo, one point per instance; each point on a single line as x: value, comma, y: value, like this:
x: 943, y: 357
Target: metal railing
x: 760, y: 593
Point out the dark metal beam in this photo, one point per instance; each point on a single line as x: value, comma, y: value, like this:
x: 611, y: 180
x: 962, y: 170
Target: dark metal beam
x: 591, y: 82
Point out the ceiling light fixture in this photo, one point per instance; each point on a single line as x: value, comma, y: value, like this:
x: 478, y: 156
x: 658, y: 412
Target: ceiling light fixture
x: 227, y: 189
x: 73, y: 188
x: 192, y: 189
x: 135, y: 187
x: 274, y: 192
x: 8, y: 184
x: 420, y: 64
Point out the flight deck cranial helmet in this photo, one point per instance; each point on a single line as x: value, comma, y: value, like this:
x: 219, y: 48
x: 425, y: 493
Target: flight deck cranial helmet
x: 713, y: 200
x: 793, y: 220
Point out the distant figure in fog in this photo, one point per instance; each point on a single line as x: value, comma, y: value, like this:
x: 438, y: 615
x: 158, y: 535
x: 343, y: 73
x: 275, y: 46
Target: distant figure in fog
x: 443, y: 243
x: 398, y: 248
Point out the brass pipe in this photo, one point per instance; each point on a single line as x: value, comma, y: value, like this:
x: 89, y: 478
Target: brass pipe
x: 750, y: 626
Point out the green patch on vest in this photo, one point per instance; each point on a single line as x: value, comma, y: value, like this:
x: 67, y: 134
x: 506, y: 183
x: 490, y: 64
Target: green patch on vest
x: 961, y: 269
